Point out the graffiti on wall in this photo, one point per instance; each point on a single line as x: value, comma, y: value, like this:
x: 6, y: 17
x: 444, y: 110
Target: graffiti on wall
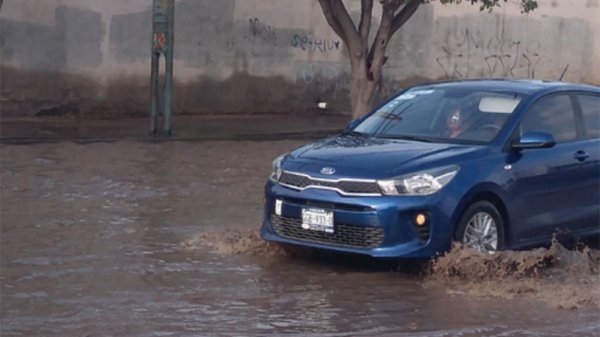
x: 471, y: 54
x: 310, y: 43
x: 261, y: 36
x: 262, y: 31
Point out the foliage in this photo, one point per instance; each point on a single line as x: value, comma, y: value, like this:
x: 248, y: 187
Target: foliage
x: 526, y: 5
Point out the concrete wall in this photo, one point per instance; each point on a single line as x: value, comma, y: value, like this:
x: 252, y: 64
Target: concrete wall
x: 93, y: 57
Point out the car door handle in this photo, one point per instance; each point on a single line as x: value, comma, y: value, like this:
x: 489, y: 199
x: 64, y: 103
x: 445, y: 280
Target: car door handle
x: 581, y: 155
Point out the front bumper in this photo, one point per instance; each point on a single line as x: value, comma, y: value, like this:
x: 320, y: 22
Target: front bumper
x: 385, y: 224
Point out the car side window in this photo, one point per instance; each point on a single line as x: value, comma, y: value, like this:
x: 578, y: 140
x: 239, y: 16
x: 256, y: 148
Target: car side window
x: 590, y: 108
x: 553, y: 115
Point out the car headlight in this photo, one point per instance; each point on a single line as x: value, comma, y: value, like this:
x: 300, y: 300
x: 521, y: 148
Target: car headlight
x: 276, y: 168
x: 419, y: 183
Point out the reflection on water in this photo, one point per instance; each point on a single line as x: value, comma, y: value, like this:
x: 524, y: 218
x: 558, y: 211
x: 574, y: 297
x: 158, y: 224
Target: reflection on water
x: 95, y: 240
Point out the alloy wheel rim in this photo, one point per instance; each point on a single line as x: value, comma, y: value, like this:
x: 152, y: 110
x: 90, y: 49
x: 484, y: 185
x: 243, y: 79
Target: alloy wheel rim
x: 481, y: 233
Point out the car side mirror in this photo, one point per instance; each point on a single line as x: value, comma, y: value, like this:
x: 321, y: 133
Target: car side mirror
x: 351, y: 124
x: 534, y: 140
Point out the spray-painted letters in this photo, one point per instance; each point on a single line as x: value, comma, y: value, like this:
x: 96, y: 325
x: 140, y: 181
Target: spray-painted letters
x: 310, y: 43
x: 261, y: 36
x: 470, y: 54
x: 261, y: 30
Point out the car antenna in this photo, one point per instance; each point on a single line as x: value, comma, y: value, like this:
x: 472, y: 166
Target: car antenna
x: 563, y: 73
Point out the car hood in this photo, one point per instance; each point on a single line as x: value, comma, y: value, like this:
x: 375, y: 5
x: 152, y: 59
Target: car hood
x: 373, y: 158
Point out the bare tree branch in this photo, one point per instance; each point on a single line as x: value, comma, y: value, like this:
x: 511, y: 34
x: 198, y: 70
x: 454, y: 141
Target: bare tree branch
x: 376, y: 56
x: 406, y: 13
x: 352, y: 36
x: 364, y: 26
x: 338, y: 18
x: 331, y: 18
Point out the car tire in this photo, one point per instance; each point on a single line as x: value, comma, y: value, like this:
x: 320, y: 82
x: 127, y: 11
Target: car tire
x: 479, y: 225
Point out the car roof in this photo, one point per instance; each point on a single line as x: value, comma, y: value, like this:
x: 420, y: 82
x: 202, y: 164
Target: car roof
x: 513, y: 85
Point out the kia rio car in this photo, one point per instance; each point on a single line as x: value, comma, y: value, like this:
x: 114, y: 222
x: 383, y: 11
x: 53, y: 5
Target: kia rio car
x: 492, y: 164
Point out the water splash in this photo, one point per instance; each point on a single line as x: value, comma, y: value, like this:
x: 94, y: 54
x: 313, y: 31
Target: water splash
x: 564, y: 278
x: 236, y: 242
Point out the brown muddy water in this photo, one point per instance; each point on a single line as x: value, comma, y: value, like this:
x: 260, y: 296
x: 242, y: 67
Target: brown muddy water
x: 157, y: 239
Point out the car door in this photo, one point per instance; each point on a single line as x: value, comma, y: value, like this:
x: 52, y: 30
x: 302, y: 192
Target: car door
x: 588, y: 106
x: 549, y: 189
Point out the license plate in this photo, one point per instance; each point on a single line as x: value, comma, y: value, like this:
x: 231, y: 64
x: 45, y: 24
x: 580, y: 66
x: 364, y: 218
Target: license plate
x: 317, y: 220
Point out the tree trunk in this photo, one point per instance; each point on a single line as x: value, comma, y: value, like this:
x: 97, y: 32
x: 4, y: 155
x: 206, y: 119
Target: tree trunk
x: 362, y: 90
x: 367, y: 63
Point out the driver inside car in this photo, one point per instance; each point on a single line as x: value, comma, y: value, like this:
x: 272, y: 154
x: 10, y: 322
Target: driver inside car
x: 455, y: 123
x: 474, y: 125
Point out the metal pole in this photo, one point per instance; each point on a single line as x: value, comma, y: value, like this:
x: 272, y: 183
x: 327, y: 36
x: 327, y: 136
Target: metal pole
x: 154, y: 93
x: 163, y: 15
x: 168, y: 95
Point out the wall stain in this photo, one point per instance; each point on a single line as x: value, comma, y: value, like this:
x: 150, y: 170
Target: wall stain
x: 61, y: 94
x: 60, y: 47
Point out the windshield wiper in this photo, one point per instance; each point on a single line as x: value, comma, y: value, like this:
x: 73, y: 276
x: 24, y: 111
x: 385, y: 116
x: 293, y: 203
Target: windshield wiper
x: 391, y: 116
x: 355, y: 133
x: 405, y: 137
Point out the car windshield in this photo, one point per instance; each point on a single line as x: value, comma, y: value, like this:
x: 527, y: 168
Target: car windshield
x: 455, y: 115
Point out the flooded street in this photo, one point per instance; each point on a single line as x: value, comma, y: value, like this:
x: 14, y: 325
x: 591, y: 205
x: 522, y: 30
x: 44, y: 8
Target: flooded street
x: 93, y: 243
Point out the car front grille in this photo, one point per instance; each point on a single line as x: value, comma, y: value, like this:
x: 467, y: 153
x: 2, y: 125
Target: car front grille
x: 343, y: 235
x: 326, y: 205
x: 344, y: 186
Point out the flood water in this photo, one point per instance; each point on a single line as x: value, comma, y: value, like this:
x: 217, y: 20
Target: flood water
x: 93, y: 244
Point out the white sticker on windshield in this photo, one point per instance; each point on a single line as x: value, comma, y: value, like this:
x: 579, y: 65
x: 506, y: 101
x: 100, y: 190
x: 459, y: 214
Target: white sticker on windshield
x: 499, y: 104
x: 413, y: 94
x: 404, y: 97
x: 389, y: 106
x: 423, y: 92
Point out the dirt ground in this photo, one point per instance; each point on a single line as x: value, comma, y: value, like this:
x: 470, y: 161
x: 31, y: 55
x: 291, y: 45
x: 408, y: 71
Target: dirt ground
x: 133, y: 238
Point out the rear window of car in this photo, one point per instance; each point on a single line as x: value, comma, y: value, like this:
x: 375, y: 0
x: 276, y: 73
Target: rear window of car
x: 590, y: 107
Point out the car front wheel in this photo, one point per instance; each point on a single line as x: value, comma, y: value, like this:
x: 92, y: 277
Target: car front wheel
x: 481, y: 228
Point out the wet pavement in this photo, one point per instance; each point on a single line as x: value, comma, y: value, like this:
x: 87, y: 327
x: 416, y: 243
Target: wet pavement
x: 92, y: 244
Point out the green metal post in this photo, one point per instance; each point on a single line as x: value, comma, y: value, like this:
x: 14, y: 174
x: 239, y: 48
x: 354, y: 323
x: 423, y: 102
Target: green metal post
x: 162, y: 43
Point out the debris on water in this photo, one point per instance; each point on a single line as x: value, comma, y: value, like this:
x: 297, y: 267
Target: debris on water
x: 562, y: 277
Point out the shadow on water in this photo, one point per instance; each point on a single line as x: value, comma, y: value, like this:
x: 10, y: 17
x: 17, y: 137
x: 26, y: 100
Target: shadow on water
x: 353, y: 262
x: 248, y: 242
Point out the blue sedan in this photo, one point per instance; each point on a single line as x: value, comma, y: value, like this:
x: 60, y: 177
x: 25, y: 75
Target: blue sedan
x: 492, y: 164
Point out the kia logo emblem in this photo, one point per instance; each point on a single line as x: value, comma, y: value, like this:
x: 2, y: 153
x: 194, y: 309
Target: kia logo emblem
x: 328, y: 170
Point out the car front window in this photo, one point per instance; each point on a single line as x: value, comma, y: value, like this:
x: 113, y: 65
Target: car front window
x: 442, y: 115
x: 553, y: 115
